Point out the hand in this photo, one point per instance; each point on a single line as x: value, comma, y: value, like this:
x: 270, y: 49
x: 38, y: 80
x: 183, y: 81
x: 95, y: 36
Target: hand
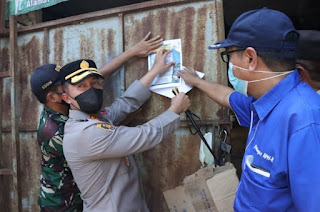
x: 146, y: 47
x: 159, y: 64
x: 189, y: 76
x: 180, y: 103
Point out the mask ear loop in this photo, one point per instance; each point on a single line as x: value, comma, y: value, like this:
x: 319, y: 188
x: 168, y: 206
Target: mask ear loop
x: 284, y: 73
x: 267, y: 72
x: 71, y: 98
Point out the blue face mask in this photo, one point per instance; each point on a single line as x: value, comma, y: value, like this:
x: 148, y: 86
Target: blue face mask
x: 239, y: 85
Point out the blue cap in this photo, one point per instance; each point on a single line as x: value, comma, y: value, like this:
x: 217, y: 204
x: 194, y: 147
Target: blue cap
x: 43, y: 78
x: 262, y: 29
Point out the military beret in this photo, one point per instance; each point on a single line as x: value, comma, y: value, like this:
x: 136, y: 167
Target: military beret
x: 76, y: 71
x: 309, y: 45
x: 43, y: 78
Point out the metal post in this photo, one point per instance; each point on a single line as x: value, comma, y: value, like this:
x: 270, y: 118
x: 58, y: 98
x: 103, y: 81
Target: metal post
x: 16, y: 203
x: 121, y: 48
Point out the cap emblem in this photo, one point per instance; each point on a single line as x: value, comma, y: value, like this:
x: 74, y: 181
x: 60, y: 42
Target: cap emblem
x: 57, y: 68
x: 84, y: 64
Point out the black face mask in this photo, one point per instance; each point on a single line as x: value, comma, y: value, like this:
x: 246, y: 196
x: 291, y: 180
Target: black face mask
x: 63, y: 102
x: 91, y: 100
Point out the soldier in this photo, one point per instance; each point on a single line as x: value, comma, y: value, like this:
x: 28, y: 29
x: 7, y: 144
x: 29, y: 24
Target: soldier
x: 58, y: 191
x: 308, y: 63
x: 98, y: 150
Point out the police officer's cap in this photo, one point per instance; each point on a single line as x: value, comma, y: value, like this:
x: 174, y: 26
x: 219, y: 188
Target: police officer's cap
x: 77, y: 71
x: 309, y: 45
x: 43, y: 78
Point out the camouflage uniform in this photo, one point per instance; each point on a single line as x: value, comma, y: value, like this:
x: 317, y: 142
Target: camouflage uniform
x: 58, y: 191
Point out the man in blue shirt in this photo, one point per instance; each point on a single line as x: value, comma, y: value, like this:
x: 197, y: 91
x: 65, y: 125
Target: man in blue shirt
x: 280, y: 170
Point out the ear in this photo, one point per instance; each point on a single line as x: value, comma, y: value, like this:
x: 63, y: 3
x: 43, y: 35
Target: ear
x: 66, y: 98
x: 51, y: 97
x: 304, y: 74
x: 252, y: 58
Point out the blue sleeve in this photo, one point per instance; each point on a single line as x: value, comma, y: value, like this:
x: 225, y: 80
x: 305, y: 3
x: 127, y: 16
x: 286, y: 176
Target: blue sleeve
x: 304, y: 168
x: 241, y: 106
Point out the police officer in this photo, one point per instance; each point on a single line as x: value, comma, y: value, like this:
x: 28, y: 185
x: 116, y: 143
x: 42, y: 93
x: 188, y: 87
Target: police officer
x: 58, y: 191
x: 308, y: 63
x: 279, y: 168
x: 98, y: 150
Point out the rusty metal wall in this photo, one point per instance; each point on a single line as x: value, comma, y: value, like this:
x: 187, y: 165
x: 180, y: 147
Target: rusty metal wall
x: 100, y: 40
x: 197, y: 23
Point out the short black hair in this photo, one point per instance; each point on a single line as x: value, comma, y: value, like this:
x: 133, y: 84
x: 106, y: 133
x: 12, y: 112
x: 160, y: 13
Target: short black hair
x: 65, y: 86
x: 283, y: 60
x: 279, y: 61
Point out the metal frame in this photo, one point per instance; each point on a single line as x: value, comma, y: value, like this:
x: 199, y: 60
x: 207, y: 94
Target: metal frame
x: 15, y: 159
x: 46, y: 26
x: 98, y: 15
x: 16, y: 205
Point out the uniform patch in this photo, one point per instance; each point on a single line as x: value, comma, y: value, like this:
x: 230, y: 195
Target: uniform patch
x: 103, y: 112
x: 107, y: 127
x: 91, y: 116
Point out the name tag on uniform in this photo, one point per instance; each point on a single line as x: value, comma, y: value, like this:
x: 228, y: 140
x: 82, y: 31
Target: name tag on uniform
x: 107, y: 127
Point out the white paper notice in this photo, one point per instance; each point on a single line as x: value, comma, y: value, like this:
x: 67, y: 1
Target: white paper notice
x: 183, y: 87
x: 168, y: 78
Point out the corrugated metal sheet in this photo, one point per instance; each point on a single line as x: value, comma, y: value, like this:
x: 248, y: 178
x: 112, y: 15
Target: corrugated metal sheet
x: 197, y: 23
x: 99, y: 40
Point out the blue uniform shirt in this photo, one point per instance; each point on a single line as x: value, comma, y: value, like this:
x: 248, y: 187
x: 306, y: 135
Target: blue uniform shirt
x: 280, y: 167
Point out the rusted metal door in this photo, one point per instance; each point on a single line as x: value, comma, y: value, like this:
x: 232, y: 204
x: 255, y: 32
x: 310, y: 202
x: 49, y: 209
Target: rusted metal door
x: 198, y: 24
x: 101, y: 36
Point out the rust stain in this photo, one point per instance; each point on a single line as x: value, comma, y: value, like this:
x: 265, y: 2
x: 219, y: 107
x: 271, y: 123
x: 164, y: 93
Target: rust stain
x: 58, y: 46
x: 167, y: 165
x: 147, y: 24
x: 102, y: 38
x: 30, y: 54
x: 161, y: 16
x: 111, y: 44
x: 4, y: 58
x: 176, y: 27
x: 87, y: 44
x: 5, y: 96
x: 188, y: 46
x: 200, y: 47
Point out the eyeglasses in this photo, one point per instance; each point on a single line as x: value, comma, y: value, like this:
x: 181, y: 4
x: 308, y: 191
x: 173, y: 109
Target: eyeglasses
x: 225, y: 56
